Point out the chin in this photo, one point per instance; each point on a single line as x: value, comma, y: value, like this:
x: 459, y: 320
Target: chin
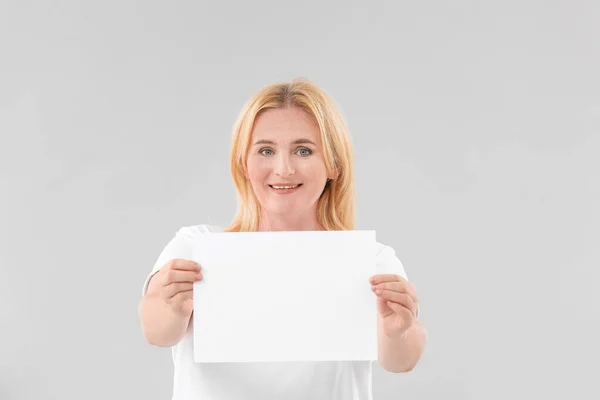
x: 284, y: 209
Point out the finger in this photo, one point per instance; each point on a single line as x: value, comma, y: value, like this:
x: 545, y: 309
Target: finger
x: 400, y: 287
x: 174, y: 276
x: 182, y: 296
x: 400, y: 298
x: 174, y: 288
x: 183, y: 265
x: 375, y: 279
x: 398, y: 308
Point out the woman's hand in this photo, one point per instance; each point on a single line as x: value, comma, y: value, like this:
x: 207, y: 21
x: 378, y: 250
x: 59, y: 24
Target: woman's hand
x: 174, y: 282
x: 396, y: 303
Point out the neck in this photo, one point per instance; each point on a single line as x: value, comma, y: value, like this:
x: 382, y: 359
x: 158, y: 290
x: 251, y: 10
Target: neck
x: 294, y: 222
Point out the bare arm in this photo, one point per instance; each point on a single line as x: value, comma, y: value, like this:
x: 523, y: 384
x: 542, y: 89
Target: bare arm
x: 401, y: 354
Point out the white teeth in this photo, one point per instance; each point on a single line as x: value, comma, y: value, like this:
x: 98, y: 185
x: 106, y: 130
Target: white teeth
x: 284, y: 187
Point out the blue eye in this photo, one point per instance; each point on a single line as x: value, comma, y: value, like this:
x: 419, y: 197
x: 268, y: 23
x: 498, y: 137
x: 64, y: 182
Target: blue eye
x: 308, y: 152
x: 262, y: 151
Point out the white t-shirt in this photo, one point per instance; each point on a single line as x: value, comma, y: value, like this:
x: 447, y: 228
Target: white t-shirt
x: 338, y: 380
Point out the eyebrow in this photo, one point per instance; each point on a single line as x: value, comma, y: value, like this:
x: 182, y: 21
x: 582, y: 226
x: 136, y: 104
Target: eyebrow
x: 297, y: 141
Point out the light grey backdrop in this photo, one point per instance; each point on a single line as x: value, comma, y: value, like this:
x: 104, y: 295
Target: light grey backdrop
x: 476, y: 128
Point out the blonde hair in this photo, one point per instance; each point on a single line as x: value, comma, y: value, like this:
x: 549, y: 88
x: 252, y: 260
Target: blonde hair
x: 336, y: 206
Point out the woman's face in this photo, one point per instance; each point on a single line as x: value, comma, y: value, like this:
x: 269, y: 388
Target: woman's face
x: 285, y: 162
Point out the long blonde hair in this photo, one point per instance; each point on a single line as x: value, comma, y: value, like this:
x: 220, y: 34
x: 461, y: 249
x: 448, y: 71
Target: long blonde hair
x: 336, y: 206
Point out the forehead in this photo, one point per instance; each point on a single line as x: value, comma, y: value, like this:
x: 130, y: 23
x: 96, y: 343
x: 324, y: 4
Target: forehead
x: 285, y: 123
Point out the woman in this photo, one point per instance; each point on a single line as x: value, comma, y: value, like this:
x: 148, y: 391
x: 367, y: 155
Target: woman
x: 291, y: 162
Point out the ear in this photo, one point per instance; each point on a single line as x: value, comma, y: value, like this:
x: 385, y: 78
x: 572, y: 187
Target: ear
x: 334, y: 174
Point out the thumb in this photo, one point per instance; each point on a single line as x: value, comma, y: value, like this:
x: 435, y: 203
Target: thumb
x: 383, y: 308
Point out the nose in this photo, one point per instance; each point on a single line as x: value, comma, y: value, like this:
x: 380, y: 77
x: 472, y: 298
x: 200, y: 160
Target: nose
x: 284, y: 166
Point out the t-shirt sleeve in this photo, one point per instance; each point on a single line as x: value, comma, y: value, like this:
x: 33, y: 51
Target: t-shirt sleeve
x: 389, y: 263
x: 177, y: 247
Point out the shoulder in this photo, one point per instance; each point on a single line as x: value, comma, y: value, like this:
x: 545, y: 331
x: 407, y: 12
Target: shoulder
x: 385, y: 252
x: 179, y: 246
x: 388, y: 261
x: 191, y: 230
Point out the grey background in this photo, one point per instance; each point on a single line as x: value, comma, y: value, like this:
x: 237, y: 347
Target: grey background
x: 476, y: 131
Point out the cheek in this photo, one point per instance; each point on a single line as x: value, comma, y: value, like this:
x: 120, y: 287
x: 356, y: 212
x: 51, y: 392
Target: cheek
x: 257, y: 172
x: 316, y: 172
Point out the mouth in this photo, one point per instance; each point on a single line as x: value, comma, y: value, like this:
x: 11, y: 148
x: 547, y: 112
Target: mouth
x: 285, y: 188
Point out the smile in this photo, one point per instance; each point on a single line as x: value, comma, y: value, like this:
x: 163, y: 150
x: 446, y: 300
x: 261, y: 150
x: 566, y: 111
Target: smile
x: 285, y: 188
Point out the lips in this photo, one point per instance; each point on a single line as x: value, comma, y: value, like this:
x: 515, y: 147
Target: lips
x: 285, y: 186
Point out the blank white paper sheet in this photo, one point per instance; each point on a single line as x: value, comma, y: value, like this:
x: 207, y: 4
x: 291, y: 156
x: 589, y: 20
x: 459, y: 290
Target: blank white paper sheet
x: 285, y: 296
